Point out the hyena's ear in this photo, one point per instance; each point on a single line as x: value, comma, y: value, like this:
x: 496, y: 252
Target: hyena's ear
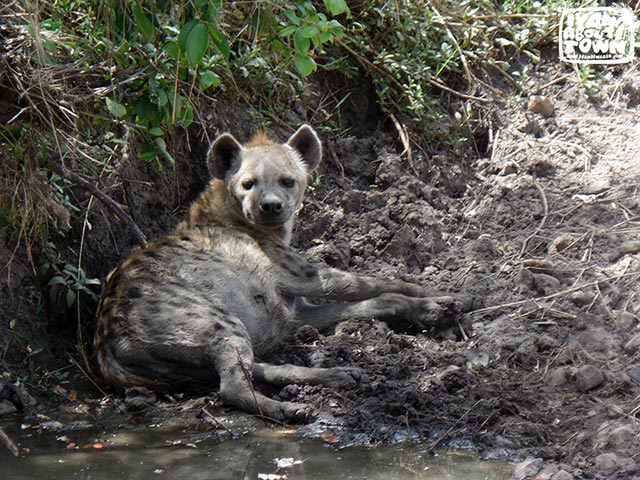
x: 307, y: 143
x: 224, y: 154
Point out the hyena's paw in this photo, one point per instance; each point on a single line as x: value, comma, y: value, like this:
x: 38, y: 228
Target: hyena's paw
x: 347, y: 377
x: 436, y: 312
x: 288, y: 412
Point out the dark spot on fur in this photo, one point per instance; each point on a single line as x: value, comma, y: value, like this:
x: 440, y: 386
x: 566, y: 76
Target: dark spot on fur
x: 133, y: 293
x: 220, y: 312
x: 152, y: 254
x: 236, y: 332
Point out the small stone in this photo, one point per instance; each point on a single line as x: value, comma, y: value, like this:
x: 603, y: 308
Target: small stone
x: 556, y: 377
x: 606, y: 462
x: 615, y: 411
x: 545, y: 284
x: 477, y: 361
x: 582, y: 298
x: 597, y: 186
x: 7, y: 408
x: 527, y: 469
x: 625, y: 320
x: 630, y: 247
x: 562, y: 475
x: 588, y: 377
x: 52, y: 425
x: 633, y: 345
x: 532, y: 127
x: 621, y: 436
x: 542, y: 105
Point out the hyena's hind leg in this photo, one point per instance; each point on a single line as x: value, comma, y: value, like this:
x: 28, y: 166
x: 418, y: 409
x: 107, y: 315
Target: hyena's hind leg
x: 282, y: 375
x: 232, y: 357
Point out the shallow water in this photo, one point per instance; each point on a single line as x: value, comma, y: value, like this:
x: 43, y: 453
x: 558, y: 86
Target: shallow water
x: 267, y: 454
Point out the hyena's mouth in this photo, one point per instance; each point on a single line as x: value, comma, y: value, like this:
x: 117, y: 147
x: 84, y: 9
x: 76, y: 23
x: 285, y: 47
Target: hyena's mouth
x: 267, y: 219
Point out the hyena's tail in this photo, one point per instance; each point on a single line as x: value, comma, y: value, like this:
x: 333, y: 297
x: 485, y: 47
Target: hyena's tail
x: 114, y: 372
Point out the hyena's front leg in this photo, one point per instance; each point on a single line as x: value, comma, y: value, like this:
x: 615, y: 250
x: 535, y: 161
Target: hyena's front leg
x: 424, y: 313
x: 232, y: 357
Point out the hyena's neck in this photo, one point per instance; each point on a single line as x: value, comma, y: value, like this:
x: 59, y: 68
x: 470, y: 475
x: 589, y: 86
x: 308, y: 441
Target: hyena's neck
x: 215, y: 207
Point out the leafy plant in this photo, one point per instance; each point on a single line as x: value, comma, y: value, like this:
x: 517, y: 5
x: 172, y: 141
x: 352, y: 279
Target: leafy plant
x: 63, y: 281
x: 308, y: 28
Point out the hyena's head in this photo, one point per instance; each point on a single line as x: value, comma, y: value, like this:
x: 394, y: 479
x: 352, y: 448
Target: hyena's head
x: 267, y: 179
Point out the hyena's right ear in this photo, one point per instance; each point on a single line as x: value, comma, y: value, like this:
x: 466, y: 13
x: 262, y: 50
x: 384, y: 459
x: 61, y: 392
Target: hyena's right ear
x: 224, y: 154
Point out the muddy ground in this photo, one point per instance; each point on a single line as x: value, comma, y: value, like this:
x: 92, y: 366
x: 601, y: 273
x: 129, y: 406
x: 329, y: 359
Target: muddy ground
x: 542, y: 226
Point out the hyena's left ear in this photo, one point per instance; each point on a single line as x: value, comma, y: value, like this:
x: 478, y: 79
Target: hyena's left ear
x: 224, y: 154
x: 307, y: 143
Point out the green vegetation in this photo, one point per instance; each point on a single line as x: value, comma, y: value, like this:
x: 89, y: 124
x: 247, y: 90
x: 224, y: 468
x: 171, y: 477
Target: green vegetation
x: 93, y: 85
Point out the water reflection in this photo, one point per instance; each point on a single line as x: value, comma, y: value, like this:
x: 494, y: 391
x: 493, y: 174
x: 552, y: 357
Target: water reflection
x: 268, y: 454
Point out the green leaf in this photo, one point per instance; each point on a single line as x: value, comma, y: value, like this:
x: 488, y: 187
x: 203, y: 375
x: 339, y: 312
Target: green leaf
x: 156, y: 131
x: 173, y: 49
x: 71, y: 297
x: 305, y: 64
x: 146, y: 111
x: 117, y: 109
x: 148, y: 156
x: 197, y: 43
x: 184, y: 34
x: 288, y: 31
x: 293, y: 18
x: 336, y: 7
x: 144, y: 24
x: 201, y: 3
x: 209, y: 79
x: 57, y: 280
x: 310, y: 31
x: 162, y: 148
x: 301, y: 43
x: 277, y: 46
x: 163, y: 98
x: 220, y: 41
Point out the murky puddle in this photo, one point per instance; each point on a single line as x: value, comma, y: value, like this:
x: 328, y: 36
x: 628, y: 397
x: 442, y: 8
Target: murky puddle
x: 267, y: 454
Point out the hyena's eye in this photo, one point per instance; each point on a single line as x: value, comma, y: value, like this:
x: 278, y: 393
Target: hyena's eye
x: 248, y: 184
x: 287, y: 182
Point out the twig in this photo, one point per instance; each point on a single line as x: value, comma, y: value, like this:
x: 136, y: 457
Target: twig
x: 444, y: 435
x: 545, y: 205
x: 7, y: 442
x: 442, y: 86
x: 554, y: 295
x: 367, y: 63
x: 404, y: 138
x: 247, y: 377
x: 552, y: 82
x: 103, y: 197
x: 215, y: 420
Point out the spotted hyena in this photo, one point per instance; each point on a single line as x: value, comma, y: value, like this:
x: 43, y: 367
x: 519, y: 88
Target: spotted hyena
x: 194, y: 308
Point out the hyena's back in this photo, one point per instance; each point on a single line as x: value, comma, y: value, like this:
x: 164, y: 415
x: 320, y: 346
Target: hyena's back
x: 208, y: 285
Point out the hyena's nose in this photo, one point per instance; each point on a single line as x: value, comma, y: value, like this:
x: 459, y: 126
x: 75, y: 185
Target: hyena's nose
x: 271, y: 207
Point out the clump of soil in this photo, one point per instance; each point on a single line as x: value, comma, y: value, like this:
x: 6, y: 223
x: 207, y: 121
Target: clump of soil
x: 543, y: 228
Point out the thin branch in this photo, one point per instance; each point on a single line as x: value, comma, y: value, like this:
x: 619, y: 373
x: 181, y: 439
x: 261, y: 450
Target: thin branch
x: 7, y: 442
x: 545, y: 205
x: 115, y: 207
x: 552, y: 296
